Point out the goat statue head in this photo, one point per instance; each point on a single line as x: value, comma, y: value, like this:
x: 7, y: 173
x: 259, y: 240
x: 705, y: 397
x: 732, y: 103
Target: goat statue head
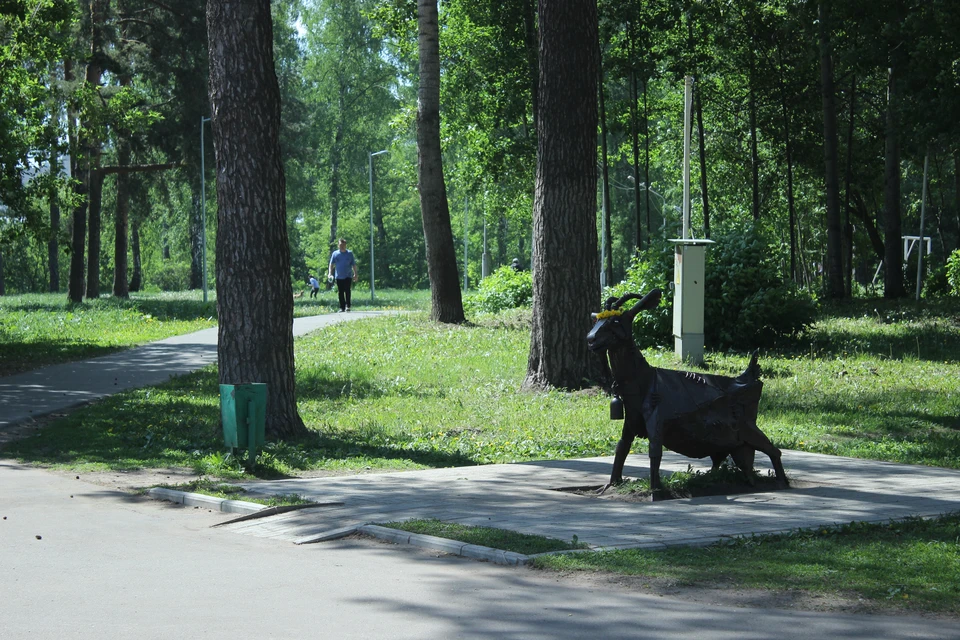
x: 613, y: 326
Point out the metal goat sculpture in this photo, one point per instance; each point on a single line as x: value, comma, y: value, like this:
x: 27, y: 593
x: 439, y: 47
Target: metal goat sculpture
x: 693, y: 414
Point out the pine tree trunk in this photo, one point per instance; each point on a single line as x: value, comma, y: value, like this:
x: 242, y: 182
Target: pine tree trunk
x: 754, y: 144
x: 893, y: 286
x: 93, y: 226
x: 53, y: 244
x: 120, y: 224
x: 98, y: 17
x: 78, y: 218
x: 848, y: 179
x: 566, y: 288
x: 831, y: 160
x: 254, y: 295
x: 635, y: 147
x: 607, y: 214
x: 136, y: 278
x: 446, y: 302
x: 196, y: 237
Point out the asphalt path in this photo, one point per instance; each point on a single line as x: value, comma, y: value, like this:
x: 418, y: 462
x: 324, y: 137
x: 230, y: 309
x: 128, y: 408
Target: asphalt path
x: 81, y: 561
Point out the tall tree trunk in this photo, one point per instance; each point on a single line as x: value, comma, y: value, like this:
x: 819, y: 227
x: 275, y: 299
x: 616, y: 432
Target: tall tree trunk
x: 893, y: 286
x: 196, y: 237
x: 635, y: 146
x: 701, y: 138
x: 78, y: 218
x: 383, y: 243
x: 565, y: 264
x: 956, y: 189
x: 446, y: 302
x: 53, y: 244
x: 98, y: 16
x: 336, y: 158
x: 791, y: 203
x: 136, y: 278
x: 3, y: 279
x: 120, y: 224
x: 830, y: 159
x: 646, y: 159
x: 607, y: 214
x: 754, y: 143
x: 530, y: 42
x: 93, y: 224
x: 848, y: 179
x: 254, y: 301
x: 501, y: 240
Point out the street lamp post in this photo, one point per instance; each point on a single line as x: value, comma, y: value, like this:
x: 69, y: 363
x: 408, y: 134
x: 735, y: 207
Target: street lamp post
x: 203, y: 208
x: 372, y: 292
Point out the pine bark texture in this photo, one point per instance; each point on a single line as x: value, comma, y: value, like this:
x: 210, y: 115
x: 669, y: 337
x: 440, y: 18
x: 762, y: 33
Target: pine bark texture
x: 893, y: 286
x: 831, y: 160
x: 254, y: 295
x: 566, y: 265
x: 446, y: 302
x: 120, y: 225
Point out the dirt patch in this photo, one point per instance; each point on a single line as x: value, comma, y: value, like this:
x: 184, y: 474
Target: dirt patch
x: 729, y: 487
x: 732, y: 595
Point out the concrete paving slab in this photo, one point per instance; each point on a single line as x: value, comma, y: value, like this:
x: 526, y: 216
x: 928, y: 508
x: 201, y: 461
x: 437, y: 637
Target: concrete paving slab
x: 523, y: 497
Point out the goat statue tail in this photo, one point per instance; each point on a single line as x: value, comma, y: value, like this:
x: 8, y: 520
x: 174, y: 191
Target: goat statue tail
x: 752, y: 372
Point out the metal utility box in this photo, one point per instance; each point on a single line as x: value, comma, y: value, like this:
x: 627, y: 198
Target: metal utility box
x: 243, y: 411
x: 689, y: 273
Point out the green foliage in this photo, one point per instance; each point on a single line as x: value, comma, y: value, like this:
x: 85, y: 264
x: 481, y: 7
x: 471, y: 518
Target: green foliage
x: 504, y: 289
x: 748, y: 304
x: 651, y: 269
x: 171, y: 276
x: 953, y: 272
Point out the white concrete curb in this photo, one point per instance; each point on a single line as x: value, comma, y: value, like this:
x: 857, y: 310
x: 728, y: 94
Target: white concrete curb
x: 209, y: 502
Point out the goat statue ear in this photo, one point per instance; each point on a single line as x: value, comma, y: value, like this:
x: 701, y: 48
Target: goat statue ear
x: 651, y: 300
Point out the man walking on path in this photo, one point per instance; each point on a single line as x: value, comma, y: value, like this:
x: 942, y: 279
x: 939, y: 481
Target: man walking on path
x: 344, y: 268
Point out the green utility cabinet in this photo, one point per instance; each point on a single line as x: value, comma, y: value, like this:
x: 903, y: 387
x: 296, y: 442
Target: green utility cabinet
x: 243, y: 411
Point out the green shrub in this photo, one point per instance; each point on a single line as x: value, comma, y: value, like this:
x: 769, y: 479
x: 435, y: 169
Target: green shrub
x: 171, y: 276
x: 747, y: 303
x: 504, y: 289
x: 935, y: 283
x: 953, y: 272
x: 651, y: 269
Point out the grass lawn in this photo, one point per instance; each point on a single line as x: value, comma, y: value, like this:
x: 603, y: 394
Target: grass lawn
x: 873, y: 380
x: 45, y: 328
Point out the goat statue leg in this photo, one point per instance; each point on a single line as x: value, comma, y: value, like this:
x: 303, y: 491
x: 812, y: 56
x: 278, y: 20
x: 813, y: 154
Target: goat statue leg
x: 656, y: 453
x: 627, y: 437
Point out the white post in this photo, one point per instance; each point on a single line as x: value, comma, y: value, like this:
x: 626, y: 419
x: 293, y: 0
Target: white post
x: 923, y: 211
x: 687, y: 109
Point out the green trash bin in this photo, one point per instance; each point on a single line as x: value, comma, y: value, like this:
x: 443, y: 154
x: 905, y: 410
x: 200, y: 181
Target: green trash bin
x: 243, y: 411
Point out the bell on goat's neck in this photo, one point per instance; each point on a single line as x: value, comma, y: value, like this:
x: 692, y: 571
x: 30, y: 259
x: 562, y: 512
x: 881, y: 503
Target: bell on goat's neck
x: 616, y: 408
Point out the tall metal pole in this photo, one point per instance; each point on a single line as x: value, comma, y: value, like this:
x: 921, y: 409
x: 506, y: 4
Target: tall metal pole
x: 923, y: 211
x: 373, y: 296
x: 687, y: 110
x: 203, y: 208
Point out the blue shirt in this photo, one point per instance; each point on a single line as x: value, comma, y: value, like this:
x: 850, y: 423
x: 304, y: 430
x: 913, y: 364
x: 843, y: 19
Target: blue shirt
x: 314, y: 283
x: 343, y: 260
